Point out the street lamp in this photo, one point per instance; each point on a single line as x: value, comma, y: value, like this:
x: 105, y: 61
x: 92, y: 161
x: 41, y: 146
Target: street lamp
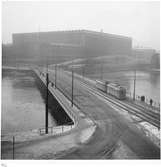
x: 47, y: 93
x: 55, y: 75
x: 72, y: 84
x: 134, y: 84
x: 101, y: 70
x: 83, y: 71
x: 134, y: 81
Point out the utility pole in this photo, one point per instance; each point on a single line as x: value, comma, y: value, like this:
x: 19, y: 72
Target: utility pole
x: 101, y: 70
x: 47, y: 93
x: 72, y: 85
x: 13, y: 148
x: 83, y: 72
x: 55, y: 75
x: 134, y: 81
x: 134, y: 84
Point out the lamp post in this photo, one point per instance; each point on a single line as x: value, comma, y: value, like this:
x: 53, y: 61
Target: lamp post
x: 83, y: 72
x: 47, y: 93
x: 13, y: 147
x: 134, y: 84
x: 101, y: 70
x: 72, y: 85
x: 134, y: 81
x: 55, y: 75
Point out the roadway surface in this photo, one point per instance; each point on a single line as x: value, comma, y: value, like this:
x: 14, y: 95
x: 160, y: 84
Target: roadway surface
x: 112, y: 127
x: 145, y: 114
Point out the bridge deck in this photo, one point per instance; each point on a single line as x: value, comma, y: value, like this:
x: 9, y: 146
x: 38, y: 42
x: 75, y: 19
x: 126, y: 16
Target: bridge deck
x: 114, y: 131
x: 113, y: 127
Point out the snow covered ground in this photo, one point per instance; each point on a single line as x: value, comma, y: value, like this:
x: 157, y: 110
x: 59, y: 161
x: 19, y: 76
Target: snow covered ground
x: 151, y: 131
x: 86, y: 134
x: 36, y: 133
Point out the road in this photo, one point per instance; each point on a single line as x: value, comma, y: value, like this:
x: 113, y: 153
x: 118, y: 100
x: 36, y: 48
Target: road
x: 112, y: 127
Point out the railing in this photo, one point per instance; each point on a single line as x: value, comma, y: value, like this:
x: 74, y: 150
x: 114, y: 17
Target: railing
x: 56, y: 130
x: 52, y: 84
x: 65, y: 93
x: 11, y: 141
x: 146, y: 103
x: 17, y: 155
x: 155, y: 105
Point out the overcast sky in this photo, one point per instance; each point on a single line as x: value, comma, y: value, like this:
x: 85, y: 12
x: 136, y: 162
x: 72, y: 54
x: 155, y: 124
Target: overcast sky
x: 139, y: 20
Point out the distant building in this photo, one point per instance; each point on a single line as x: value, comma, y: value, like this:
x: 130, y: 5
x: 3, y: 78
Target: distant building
x: 65, y: 44
x: 155, y: 61
x: 143, y: 54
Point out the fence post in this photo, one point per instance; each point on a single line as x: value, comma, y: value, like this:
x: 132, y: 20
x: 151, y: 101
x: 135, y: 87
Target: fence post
x: 13, y: 147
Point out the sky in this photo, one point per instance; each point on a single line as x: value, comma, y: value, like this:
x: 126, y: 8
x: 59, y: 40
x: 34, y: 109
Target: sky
x: 139, y: 20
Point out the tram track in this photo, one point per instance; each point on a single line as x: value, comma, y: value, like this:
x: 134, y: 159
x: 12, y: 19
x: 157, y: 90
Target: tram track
x: 150, y: 112
x: 143, y: 114
x: 112, y: 127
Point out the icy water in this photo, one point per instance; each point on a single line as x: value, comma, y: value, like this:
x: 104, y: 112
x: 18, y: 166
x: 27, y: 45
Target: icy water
x: 147, y: 83
x: 23, y: 106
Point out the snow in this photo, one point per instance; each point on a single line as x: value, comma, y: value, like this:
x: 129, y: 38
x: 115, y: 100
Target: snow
x: 152, y: 132
x: 86, y: 134
x: 35, y: 133
x: 123, y: 152
x: 151, y: 128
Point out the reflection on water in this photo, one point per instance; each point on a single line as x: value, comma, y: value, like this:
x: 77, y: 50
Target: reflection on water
x: 147, y: 83
x: 22, y: 104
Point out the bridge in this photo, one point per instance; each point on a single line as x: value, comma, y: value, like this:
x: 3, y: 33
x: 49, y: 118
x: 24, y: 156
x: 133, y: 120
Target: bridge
x: 106, y: 114
x: 111, y: 125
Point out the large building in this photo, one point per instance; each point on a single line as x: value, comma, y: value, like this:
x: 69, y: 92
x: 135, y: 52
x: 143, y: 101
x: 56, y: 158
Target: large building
x: 65, y: 44
x: 143, y: 54
x: 155, y: 61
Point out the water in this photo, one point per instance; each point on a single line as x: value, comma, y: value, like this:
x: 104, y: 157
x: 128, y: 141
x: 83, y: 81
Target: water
x: 23, y: 106
x: 147, y: 83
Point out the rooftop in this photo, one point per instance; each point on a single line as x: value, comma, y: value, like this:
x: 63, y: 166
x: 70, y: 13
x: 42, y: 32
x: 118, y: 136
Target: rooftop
x: 78, y: 31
